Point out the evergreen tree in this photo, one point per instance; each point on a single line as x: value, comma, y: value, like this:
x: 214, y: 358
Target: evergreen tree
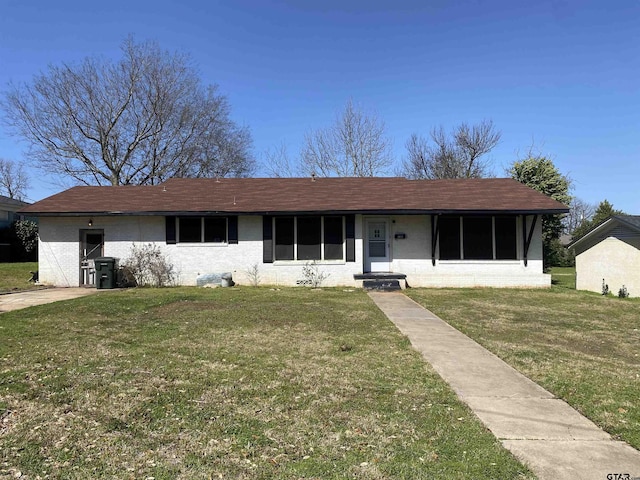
x: 541, y: 174
x: 605, y: 210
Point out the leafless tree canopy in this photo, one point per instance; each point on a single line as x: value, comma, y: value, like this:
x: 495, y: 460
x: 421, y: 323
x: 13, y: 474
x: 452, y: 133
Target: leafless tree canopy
x: 278, y: 163
x: 579, y: 212
x: 140, y: 120
x: 460, y: 154
x: 13, y: 180
x: 356, y: 145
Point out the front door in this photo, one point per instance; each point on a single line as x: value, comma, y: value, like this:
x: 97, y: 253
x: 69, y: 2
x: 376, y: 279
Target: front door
x: 91, y: 247
x: 377, y: 246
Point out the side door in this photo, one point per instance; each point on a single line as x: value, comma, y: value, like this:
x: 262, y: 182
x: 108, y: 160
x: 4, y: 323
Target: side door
x: 91, y: 247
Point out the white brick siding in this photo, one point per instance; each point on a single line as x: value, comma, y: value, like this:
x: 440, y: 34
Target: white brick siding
x: 59, y: 254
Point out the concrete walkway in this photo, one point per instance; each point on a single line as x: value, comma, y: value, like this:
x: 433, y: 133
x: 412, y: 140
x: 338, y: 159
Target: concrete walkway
x: 542, y: 431
x: 30, y: 298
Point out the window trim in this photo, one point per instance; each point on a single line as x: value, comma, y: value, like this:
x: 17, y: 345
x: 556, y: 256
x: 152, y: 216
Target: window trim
x: 202, y: 231
x: 322, y: 259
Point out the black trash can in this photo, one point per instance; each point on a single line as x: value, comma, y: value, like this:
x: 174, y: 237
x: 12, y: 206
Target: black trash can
x: 105, y: 272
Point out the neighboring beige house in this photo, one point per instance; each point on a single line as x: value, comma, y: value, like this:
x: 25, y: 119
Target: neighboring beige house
x: 610, y: 254
x: 465, y: 232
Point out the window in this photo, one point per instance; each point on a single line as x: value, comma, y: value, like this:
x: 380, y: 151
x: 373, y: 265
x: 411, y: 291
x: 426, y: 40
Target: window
x: 483, y: 238
x: 333, y: 238
x: 309, y: 238
x: 215, y: 229
x: 202, y: 229
x: 190, y: 230
x: 284, y: 238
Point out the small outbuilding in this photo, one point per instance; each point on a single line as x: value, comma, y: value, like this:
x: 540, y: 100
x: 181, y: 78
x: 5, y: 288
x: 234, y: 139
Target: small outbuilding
x: 609, y: 254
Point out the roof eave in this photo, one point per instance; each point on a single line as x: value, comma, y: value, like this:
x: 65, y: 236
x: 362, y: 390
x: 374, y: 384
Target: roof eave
x: 591, y: 232
x: 304, y: 212
x: 601, y: 226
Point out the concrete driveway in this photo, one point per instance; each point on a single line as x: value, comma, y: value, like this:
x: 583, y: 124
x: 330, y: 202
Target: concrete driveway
x: 30, y: 298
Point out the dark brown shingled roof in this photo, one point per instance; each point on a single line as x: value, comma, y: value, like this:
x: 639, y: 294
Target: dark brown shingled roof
x: 287, y: 195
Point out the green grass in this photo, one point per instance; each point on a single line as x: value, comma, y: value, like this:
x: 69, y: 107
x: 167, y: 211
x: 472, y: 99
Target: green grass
x: 564, y: 277
x: 229, y: 383
x: 580, y: 346
x: 15, y: 276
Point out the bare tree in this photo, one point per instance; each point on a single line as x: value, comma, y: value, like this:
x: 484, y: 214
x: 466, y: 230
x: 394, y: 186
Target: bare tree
x: 579, y: 212
x: 140, y: 120
x: 461, y: 154
x: 278, y: 163
x: 356, y: 145
x: 13, y: 180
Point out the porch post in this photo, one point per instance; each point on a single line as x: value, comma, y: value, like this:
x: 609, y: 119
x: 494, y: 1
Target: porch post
x: 435, y: 230
x: 527, y: 236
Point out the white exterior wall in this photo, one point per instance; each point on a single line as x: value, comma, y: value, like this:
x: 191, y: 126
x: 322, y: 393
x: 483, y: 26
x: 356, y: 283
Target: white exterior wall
x: 59, y: 254
x: 59, y: 251
x: 59, y: 242
x: 613, y: 260
x: 193, y: 260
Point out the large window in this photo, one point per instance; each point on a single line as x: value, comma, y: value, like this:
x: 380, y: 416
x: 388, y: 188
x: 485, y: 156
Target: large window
x: 333, y: 238
x: 309, y: 238
x: 285, y: 238
x: 202, y: 229
x: 478, y: 238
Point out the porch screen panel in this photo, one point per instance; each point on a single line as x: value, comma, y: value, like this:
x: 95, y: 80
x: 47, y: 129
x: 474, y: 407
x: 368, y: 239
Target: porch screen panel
x: 506, y: 231
x: 215, y: 229
x: 309, y: 238
x: 284, y: 238
x: 333, y: 236
x: 190, y: 229
x: 449, y: 238
x: 477, y: 238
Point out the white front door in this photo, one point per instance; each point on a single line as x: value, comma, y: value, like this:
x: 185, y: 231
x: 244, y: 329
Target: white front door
x: 377, y: 246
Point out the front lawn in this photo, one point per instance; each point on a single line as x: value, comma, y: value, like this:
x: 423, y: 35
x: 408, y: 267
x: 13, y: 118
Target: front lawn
x: 15, y: 276
x: 229, y: 383
x: 564, y: 277
x: 582, y: 347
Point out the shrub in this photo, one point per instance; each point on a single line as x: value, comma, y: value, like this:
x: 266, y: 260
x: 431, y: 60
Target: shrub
x: 254, y: 275
x: 312, y: 274
x: 623, y: 293
x: 27, y: 232
x: 149, y: 266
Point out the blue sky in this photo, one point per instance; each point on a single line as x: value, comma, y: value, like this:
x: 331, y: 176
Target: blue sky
x: 564, y: 75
